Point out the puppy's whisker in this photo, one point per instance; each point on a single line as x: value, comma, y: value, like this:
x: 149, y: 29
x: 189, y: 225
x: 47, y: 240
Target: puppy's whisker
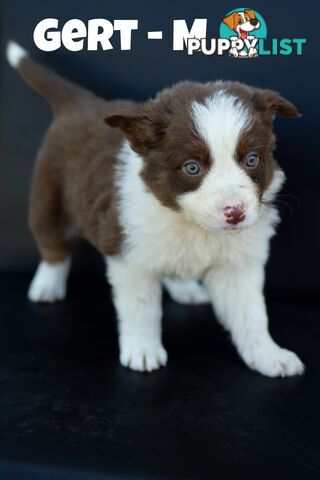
x: 286, y: 206
x: 283, y: 206
x: 289, y: 195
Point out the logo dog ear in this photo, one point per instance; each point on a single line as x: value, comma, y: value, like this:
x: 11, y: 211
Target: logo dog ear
x: 229, y: 21
x: 250, y: 13
x: 272, y: 103
x: 143, y: 129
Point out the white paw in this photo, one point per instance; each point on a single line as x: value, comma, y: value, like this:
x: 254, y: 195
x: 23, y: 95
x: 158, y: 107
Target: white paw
x: 143, y: 357
x: 186, y: 291
x: 234, y: 52
x: 273, y: 361
x: 253, y: 52
x: 50, y: 282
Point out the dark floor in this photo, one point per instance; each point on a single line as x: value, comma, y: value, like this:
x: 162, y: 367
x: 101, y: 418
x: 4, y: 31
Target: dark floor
x: 68, y: 407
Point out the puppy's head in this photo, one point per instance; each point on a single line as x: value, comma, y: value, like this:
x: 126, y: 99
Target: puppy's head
x: 242, y: 22
x: 207, y: 150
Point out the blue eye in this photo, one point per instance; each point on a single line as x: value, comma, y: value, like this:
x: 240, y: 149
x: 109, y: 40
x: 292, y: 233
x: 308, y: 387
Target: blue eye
x: 252, y: 160
x: 191, y: 168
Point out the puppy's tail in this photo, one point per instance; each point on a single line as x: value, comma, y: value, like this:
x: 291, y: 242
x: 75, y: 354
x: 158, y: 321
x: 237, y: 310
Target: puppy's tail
x: 59, y: 93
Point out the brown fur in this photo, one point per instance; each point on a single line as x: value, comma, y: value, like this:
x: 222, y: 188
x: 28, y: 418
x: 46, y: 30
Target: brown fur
x: 73, y: 185
x: 250, y: 14
x: 232, y: 20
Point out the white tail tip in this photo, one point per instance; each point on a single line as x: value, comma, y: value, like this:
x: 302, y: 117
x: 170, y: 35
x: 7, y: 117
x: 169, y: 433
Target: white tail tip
x: 15, y: 53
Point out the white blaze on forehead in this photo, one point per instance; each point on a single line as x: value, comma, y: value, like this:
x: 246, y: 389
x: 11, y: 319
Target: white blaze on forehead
x: 219, y: 121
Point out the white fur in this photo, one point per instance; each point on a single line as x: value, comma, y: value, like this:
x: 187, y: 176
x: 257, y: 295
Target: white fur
x: 137, y: 297
x: 49, y: 283
x: 186, y: 291
x: 237, y: 295
x: 161, y: 242
x: 277, y: 182
x: 220, y: 121
x: 15, y: 53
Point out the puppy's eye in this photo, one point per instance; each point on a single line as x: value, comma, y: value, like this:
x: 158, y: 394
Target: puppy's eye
x: 191, y: 167
x: 252, y: 160
x: 240, y: 20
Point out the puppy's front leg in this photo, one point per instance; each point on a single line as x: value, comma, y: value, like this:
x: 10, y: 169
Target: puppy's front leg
x: 237, y: 296
x: 137, y: 298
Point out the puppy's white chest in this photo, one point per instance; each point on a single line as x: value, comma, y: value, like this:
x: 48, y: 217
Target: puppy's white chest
x: 163, y: 242
x: 178, y: 251
x: 169, y: 245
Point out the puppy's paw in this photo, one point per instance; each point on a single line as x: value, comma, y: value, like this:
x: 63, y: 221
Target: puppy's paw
x: 49, y: 282
x: 273, y: 361
x: 46, y: 292
x: 233, y: 52
x: 143, y: 357
x: 188, y: 292
x: 253, y: 52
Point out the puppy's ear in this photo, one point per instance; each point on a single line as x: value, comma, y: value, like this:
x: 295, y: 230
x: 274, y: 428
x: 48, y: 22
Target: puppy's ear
x: 229, y: 21
x: 271, y: 103
x: 250, y: 13
x: 144, y: 129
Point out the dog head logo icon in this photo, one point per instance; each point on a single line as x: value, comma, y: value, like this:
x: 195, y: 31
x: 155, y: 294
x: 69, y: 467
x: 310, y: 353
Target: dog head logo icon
x: 244, y: 26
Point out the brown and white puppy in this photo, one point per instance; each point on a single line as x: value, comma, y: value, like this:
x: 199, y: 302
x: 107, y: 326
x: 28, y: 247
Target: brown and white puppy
x: 243, y: 23
x: 173, y: 191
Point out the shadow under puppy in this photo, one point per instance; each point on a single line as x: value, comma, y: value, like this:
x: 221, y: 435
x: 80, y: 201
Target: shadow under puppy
x: 173, y: 191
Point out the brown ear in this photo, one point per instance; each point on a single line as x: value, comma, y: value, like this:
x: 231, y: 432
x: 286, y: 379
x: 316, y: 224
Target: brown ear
x: 250, y: 13
x: 272, y: 103
x: 229, y: 21
x: 143, y: 130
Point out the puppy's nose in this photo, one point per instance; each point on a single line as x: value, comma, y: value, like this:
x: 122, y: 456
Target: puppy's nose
x: 254, y: 21
x: 234, y: 214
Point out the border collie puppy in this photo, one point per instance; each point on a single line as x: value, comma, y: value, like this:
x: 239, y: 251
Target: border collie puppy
x: 177, y: 192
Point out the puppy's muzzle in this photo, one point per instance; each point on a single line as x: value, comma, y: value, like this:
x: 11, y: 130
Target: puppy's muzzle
x: 234, y: 214
x: 254, y: 22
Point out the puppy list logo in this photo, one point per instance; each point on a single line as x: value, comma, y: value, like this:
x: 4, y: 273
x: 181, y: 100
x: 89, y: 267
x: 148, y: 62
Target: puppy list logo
x: 244, y: 28
x: 243, y: 34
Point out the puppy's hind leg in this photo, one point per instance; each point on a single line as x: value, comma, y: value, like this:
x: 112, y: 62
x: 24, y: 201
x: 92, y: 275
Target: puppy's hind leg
x: 49, y: 283
x: 49, y: 227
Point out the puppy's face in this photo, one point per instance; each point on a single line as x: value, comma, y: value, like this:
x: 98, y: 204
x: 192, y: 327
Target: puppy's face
x: 242, y: 22
x: 207, y: 150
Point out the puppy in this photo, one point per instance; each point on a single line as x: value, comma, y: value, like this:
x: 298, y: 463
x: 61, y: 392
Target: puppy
x: 173, y: 191
x: 242, y: 23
